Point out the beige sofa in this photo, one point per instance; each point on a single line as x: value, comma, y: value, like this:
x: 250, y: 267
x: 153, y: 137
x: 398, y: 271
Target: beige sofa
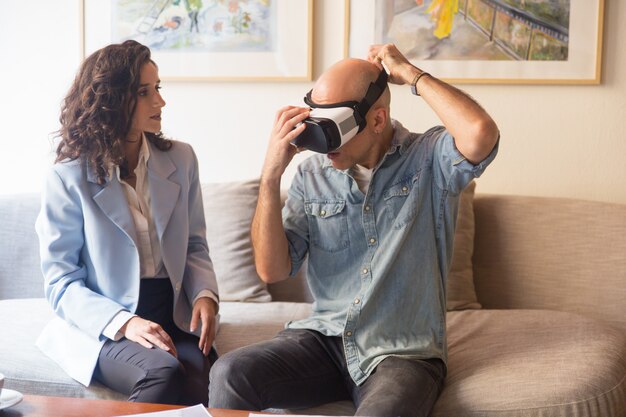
x: 536, y: 300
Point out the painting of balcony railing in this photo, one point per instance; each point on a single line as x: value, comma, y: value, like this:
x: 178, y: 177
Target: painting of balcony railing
x: 533, y: 30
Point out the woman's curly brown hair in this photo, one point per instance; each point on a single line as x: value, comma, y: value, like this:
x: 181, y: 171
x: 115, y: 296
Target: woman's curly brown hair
x: 97, y: 112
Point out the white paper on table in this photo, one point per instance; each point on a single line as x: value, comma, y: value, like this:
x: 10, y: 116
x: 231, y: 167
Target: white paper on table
x: 196, y: 411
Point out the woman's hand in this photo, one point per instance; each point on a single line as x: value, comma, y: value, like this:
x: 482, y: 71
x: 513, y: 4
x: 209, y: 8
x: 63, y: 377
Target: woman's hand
x: 148, y: 334
x: 280, y: 151
x: 204, y: 310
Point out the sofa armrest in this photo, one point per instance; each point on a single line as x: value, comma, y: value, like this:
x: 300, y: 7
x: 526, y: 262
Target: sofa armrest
x: 551, y: 253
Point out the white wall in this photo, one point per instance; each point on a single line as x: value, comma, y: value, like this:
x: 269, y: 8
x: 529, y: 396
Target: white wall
x: 565, y: 141
x: 39, y: 55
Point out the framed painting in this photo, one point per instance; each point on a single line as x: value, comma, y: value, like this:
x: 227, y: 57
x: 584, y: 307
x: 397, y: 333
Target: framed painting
x: 208, y: 40
x: 486, y: 41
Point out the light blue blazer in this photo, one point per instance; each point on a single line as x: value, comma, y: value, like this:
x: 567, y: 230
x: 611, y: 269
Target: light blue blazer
x: 89, y: 254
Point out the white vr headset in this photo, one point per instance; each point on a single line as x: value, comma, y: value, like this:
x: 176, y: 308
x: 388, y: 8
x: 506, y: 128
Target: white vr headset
x: 330, y: 126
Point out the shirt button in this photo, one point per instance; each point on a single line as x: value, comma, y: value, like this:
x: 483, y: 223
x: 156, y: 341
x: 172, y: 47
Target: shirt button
x: 365, y: 270
x: 322, y: 213
x: 372, y: 240
x: 357, y: 301
x: 348, y: 334
x: 367, y: 208
x: 405, y: 189
x: 178, y: 286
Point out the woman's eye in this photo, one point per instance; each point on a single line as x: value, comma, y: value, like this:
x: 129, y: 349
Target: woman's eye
x: 158, y: 88
x: 142, y: 93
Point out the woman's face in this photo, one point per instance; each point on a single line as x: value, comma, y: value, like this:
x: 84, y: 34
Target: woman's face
x: 147, y: 117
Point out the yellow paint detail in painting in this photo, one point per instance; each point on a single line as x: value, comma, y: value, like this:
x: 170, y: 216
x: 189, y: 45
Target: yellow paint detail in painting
x: 442, y: 13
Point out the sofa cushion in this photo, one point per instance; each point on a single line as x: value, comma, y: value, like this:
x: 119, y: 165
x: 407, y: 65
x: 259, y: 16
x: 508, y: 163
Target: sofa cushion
x: 25, y: 367
x: 242, y: 324
x: 532, y: 363
x: 228, y: 209
x: 526, y: 363
x: 461, y: 294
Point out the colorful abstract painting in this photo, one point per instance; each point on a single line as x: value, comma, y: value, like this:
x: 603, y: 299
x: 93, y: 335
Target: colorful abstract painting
x: 196, y: 25
x: 522, y: 30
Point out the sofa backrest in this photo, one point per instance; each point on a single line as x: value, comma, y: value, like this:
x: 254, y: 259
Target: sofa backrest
x: 20, y: 274
x: 551, y: 253
x: 529, y: 252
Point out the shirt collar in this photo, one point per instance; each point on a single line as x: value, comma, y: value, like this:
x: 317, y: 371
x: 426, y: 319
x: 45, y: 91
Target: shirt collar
x: 399, y: 140
x: 144, y: 156
x: 144, y: 151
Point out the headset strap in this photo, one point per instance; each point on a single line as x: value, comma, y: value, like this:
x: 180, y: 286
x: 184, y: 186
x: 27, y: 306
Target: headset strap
x: 374, y: 91
x: 309, y: 102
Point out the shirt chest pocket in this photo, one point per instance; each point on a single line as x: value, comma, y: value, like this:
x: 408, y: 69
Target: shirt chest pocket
x: 328, y: 224
x: 402, y: 201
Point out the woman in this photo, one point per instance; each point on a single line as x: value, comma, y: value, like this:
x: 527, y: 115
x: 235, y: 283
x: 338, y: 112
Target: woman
x: 123, y: 240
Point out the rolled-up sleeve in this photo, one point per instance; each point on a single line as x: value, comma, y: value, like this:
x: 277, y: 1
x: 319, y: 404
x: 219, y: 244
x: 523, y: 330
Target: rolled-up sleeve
x: 451, y: 170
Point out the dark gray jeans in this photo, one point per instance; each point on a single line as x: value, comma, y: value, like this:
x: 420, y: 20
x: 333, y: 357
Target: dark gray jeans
x: 154, y: 375
x: 303, y: 368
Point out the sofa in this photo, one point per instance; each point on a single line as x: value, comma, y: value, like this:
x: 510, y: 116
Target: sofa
x: 536, y: 303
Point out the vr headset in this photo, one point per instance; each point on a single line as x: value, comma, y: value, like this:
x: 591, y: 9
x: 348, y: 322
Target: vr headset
x: 330, y: 126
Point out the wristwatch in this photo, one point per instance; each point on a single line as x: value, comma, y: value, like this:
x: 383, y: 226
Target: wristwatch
x: 415, y: 80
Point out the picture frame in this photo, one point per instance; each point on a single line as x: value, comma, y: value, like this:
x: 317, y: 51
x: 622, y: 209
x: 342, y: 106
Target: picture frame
x: 519, y: 47
x: 210, y: 40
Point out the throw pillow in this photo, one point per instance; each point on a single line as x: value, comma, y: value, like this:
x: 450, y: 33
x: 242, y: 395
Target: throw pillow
x: 228, y: 209
x: 461, y: 294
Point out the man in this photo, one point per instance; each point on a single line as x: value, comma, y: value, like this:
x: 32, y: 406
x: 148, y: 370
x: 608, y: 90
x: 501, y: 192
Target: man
x: 376, y: 218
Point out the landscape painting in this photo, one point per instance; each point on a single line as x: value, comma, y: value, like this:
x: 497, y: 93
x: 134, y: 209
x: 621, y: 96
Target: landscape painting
x: 207, y: 40
x: 196, y: 25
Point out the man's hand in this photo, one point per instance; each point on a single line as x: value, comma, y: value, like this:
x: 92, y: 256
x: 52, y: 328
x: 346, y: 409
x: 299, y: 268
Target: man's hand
x: 401, y: 71
x: 148, y: 334
x: 204, y: 310
x: 474, y: 131
x: 280, y: 152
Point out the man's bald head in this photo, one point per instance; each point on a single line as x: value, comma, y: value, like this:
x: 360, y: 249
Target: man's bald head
x: 347, y: 80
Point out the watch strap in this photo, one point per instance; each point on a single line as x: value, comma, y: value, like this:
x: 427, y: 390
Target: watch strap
x: 414, y: 82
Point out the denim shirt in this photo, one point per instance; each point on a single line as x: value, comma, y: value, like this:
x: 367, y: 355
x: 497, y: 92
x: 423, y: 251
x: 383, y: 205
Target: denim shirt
x: 377, y: 262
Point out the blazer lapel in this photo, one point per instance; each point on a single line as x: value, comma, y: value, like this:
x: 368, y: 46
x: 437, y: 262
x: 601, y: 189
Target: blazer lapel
x: 112, y: 202
x: 163, y: 192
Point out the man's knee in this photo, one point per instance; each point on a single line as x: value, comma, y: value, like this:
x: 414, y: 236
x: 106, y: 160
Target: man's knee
x: 227, y: 368
x: 402, y: 387
x: 232, y: 382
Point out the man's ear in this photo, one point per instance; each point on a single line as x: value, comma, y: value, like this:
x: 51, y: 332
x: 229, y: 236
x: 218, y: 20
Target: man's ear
x: 379, y: 118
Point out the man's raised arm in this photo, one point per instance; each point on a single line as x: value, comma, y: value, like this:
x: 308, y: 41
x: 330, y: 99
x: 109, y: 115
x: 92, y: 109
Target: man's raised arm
x: 474, y: 131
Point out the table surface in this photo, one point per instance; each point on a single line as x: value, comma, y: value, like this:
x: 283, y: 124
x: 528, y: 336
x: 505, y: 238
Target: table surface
x: 41, y: 406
